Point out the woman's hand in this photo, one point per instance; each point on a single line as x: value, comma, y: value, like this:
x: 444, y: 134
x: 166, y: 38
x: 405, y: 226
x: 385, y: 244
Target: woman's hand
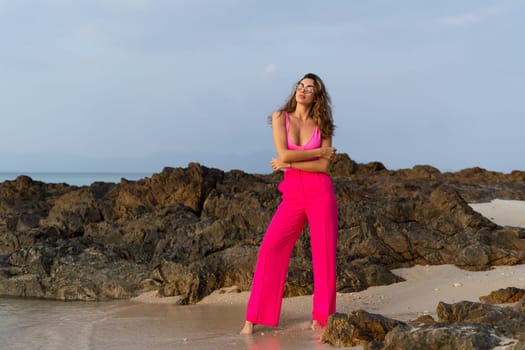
x: 277, y: 164
x: 327, y: 152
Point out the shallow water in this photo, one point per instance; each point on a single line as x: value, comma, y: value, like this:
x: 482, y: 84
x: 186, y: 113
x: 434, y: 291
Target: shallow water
x: 38, y: 324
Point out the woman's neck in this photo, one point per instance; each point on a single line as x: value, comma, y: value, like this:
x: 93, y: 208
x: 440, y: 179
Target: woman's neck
x: 302, y: 112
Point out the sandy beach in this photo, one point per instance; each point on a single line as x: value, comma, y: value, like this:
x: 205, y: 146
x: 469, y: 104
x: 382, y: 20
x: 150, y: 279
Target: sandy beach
x: 503, y: 212
x: 214, y: 323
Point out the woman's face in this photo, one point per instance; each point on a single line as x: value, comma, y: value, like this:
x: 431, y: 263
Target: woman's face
x: 305, y: 91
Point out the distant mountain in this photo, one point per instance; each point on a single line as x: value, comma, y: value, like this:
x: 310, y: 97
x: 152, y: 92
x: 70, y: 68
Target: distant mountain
x: 257, y: 162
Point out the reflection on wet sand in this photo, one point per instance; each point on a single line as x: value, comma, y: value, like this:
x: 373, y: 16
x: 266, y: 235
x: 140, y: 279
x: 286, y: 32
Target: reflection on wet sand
x: 293, y: 338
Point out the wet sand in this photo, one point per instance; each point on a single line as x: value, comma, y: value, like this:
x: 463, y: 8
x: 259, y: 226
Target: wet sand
x: 36, y: 324
x: 153, y: 323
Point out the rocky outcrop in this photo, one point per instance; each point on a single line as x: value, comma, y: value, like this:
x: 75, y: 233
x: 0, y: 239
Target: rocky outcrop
x: 358, y: 328
x: 504, y: 295
x: 509, y: 321
x: 439, y: 337
x: 189, y: 231
x: 463, y: 325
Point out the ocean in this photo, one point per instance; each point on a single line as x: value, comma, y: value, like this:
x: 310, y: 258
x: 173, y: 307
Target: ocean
x: 76, y: 178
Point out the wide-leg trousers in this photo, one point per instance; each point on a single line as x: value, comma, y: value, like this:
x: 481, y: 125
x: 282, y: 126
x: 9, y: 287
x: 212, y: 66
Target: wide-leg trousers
x: 305, y: 196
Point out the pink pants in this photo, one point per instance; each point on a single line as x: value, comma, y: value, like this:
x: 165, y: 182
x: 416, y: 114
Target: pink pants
x: 305, y: 196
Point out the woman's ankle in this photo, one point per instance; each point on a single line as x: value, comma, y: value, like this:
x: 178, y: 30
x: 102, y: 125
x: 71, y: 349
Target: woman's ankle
x: 248, y: 328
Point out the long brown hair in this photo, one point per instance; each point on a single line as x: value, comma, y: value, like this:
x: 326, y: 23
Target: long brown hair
x: 321, y: 110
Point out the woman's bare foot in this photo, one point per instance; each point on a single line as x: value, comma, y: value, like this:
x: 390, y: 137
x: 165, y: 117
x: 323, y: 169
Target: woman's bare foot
x: 247, y: 329
x: 316, y: 326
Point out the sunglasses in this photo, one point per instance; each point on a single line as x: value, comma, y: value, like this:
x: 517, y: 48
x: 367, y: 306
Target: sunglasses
x: 307, y: 90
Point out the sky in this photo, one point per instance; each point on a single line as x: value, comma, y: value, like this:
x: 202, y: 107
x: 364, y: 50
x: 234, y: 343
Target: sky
x: 137, y: 85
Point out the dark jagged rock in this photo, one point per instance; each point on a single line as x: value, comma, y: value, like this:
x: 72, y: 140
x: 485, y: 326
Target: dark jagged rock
x: 439, y: 337
x: 71, y: 212
x: 423, y: 319
x: 357, y: 328
x: 463, y: 325
x: 480, y: 185
x: 200, y: 278
x: 504, y: 295
x: 191, y: 230
x: 71, y: 270
x: 188, y: 186
x: 506, y: 320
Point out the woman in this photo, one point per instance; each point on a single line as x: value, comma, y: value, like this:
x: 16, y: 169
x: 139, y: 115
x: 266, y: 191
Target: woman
x: 302, y: 135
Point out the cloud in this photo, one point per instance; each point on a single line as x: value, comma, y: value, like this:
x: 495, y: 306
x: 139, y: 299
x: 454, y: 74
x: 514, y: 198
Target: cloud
x: 468, y: 18
x: 270, y: 69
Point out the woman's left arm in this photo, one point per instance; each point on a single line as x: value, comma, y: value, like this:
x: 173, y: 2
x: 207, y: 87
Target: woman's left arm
x: 319, y: 165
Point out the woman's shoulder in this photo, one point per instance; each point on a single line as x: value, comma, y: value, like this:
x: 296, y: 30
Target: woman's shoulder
x: 278, y: 117
x: 278, y: 114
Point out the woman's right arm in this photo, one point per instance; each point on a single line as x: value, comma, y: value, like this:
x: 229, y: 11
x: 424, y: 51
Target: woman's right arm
x: 318, y: 165
x: 281, y: 146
